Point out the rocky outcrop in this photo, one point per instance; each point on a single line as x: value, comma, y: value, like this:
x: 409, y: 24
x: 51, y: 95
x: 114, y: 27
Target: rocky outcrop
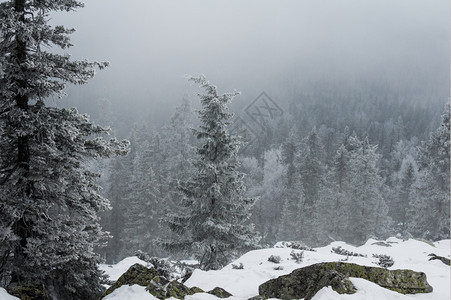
x: 136, y: 274
x: 179, y: 290
x: 306, y: 282
x: 158, y: 285
x: 155, y: 284
x: 220, y: 292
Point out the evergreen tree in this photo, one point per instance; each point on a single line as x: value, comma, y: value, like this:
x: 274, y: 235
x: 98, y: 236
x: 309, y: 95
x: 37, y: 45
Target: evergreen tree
x: 143, y: 208
x: 311, y: 167
x: 113, y: 220
x: 352, y: 196
x: 404, y: 195
x: 157, y: 161
x: 432, y: 206
x: 254, y: 181
x: 119, y: 187
x: 402, y: 150
x: 334, y: 199
x: 271, y: 196
x: 367, y: 211
x: 214, y: 211
x: 289, y: 151
x: 340, y: 166
x: 291, y: 213
x: 49, y: 199
x: 311, y: 170
x: 292, y: 197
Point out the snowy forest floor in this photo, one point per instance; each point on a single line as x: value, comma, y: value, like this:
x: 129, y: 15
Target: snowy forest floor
x: 243, y: 283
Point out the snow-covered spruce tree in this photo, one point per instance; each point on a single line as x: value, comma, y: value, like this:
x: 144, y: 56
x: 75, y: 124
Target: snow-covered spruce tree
x: 293, y: 196
x: 404, y: 192
x: 142, y: 211
x: 351, y: 198
x: 212, y: 220
x: 332, y: 206
x: 431, y: 209
x: 267, y: 210
x: 49, y: 199
x: 289, y: 151
x: 118, y: 188
x: 367, y: 213
x: 312, y: 171
x: 289, y: 227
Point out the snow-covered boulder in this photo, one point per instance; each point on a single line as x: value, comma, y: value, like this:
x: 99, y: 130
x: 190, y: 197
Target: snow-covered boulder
x: 306, y: 282
x: 220, y: 293
x: 115, y: 271
x: 155, y: 284
x: 137, y: 274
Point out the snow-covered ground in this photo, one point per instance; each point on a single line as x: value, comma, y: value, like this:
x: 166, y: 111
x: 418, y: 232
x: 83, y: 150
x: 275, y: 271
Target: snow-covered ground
x: 243, y: 283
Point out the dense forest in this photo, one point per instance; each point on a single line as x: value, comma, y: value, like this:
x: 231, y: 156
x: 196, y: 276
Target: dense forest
x: 333, y: 166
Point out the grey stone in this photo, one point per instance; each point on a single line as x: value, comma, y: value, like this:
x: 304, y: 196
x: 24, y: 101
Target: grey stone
x: 306, y: 282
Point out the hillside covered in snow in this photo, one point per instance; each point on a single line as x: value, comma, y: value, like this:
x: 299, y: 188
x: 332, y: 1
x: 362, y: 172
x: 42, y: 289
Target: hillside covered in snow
x: 244, y: 283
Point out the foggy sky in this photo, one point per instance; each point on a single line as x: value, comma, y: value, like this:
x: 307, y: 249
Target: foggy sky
x: 281, y: 47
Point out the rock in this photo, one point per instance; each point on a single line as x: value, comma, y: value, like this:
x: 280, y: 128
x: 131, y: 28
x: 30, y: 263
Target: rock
x: 274, y: 259
x: 220, y: 292
x: 383, y: 244
x: 306, y: 282
x: 195, y: 290
x: 28, y: 292
x: 179, y: 290
x: 401, y: 281
x: 157, y: 287
x: 155, y: 284
x: 140, y: 275
x: 444, y: 260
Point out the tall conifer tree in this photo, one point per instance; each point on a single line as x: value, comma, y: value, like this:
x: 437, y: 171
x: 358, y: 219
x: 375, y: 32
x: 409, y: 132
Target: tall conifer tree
x: 214, y: 212
x: 431, y: 210
x: 367, y: 211
x: 49, y: 198
x: 312, y: 171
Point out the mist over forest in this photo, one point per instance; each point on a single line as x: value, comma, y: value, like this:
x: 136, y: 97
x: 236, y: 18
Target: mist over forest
x: 398, y: 50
